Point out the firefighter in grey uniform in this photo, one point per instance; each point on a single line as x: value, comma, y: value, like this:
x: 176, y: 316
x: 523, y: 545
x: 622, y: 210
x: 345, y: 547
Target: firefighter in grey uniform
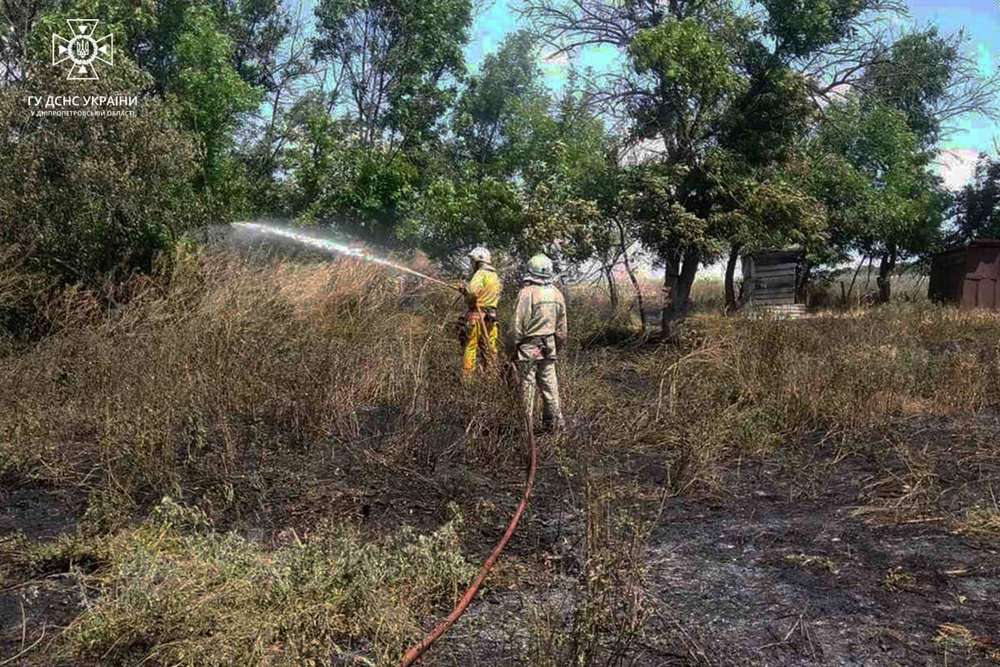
x: 539, y: 335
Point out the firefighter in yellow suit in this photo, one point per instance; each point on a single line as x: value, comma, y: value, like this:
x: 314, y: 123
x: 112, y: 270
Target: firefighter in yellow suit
x: 482, y: 295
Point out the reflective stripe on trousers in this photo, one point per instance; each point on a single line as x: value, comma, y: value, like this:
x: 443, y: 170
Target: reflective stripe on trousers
x: 482, y: 343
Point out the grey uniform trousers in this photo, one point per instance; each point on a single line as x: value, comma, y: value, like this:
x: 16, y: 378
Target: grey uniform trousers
x: 537, y: 365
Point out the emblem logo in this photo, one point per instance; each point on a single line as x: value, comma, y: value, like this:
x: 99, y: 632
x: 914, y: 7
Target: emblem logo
x: 83, y: 49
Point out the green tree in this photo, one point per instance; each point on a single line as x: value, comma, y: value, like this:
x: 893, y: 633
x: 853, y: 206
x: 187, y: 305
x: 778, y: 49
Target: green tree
x: 533, y: 194
x: 209, y: 95
x: 87, y: 198
x: 153, y: 31
x: 977, y: 204
x: 489, y: 114
x: 17, y: 23
x: 803, y: 27
x: 396, y: 59
x: 455, y: 214
x: 315, y: 157
x: 898, y: 205
x: 764, y: 208
x: 927, y: 77
x: 711, y: 84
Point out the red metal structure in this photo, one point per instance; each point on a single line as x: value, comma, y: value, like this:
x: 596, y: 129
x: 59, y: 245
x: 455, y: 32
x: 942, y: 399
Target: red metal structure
x: 968, y: 276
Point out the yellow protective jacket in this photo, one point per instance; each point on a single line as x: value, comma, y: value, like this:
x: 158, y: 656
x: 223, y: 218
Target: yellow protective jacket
x: 484, y: 289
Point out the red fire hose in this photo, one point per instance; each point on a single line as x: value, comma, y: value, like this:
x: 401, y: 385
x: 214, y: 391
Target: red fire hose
x: 415, y: 651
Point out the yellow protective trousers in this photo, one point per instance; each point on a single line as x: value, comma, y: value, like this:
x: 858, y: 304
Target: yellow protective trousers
x: 482, y: 342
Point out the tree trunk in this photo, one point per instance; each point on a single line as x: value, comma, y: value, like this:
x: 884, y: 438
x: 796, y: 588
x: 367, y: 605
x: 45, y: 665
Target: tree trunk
x: 803, y: 287
x: 609, y: 275
x: 732, y: 302
x: 886, y: 265
x: 847, y: 296
x: 678, y: 277
x: 631, y: 276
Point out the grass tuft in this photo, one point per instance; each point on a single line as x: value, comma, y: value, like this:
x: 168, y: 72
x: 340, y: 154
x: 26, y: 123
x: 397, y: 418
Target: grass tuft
x: 176, y: 591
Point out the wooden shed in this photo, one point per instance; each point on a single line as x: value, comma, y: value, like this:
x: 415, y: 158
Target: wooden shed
x: 968, y: 276
x: 771, y: 279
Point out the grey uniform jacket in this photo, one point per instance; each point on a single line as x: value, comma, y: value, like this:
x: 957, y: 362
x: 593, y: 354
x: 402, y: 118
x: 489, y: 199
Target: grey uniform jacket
x: 539, y: 322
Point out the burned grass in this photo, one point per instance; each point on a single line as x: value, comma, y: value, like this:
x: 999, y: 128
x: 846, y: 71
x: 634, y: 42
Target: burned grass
x: 761, y: 492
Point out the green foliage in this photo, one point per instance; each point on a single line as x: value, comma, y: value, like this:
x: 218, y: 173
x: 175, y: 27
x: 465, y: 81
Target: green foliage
x: 766, y: 122
x: 915, y: 78
x: 490, y: 114
x: 801, y: 27
x: 692, y: 68
x: 729, y: 111
x: 209, y: 94
x: 977, y: 205
x: 769, y: 208
x: 557, y: 157
x: 149, y: 32
x: 395, y: 56
x: 896, y: 207
x: 684, y: 54
x: 173, y: 590
x: 720, y: 96
x: 453, y: 215
x: 666, y: 225
x: 360, y: 191
x: 85, y: 197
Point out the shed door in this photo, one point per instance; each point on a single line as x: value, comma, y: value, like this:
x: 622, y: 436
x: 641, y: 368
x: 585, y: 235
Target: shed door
x: 983, y: 279
x: 981, y: 293
x: 987, y: 294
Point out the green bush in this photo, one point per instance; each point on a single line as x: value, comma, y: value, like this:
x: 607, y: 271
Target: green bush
x: 84, y: 197
x: 174, y: 591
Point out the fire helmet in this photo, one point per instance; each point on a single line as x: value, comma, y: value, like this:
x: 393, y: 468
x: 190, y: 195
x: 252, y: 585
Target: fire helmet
x: 540, y: 269
x: 481, y: 255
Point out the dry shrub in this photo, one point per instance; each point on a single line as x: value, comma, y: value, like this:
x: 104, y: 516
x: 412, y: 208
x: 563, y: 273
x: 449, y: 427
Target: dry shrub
x: 709, y: 295
x: 611, y: 605
x: 740, y: 385
x: 226, y: 380
x: 981, y: 521
x: 20, y: 289
x: 174, y: 591
x: 230, y: 366
x: 203, y: 382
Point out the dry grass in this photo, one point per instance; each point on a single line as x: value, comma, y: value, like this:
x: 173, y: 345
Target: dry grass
x: 202, y: 384
x: 234, y: 384
x: 176, y: 592
x: 741, y: 385
x: 611, y: 607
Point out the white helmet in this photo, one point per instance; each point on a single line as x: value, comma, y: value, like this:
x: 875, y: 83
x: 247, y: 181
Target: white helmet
x: 481, y: 255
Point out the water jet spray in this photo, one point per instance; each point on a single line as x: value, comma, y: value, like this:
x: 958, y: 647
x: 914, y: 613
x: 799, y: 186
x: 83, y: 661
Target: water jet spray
x: 339, y: 248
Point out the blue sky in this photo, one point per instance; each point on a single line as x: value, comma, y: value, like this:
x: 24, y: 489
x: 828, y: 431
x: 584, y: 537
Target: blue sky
x: 980, y: 19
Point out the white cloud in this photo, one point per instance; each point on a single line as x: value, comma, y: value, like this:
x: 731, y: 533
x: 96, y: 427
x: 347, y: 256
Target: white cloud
x: 957, y: 166
x: 644, y: 151
x: 557, y: 58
